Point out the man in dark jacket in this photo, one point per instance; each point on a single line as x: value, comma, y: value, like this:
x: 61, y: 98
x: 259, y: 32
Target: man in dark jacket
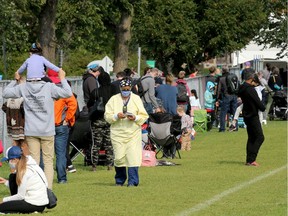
x: 90, y: 80
x: 251, y: 105
x: 226, y: 99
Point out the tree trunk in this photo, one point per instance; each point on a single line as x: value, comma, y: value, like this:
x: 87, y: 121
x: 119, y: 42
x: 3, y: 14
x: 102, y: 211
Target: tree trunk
x: 123, y: 37
x: 47, y: 36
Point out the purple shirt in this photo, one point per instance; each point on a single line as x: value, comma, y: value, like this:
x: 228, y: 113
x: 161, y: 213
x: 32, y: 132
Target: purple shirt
x: 35, y: 66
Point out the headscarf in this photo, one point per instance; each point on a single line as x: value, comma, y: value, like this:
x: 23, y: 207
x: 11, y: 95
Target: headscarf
x: 125, y: 82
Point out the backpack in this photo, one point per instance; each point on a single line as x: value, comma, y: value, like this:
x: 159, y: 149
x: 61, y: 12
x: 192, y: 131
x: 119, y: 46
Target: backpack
x: 140, y: 90
x: 182, y: 93
x: 232, y: 83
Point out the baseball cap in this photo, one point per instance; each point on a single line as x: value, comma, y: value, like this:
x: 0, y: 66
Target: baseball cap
x: 53, y: 75
x: 12, y: 152
x: 247, y: 63
x: 93, y: 66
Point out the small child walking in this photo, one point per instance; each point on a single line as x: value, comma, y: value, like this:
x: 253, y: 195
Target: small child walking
x: 36, y: 64
x: 194, y: 103
x: 186, y: 128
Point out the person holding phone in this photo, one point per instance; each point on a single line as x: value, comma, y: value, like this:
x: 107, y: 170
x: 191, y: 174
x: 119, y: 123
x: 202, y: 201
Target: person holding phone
x: 126, y: 113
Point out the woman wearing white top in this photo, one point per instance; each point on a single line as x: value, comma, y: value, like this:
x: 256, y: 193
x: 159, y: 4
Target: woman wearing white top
x: 194, y: 103
x: 31, y: 190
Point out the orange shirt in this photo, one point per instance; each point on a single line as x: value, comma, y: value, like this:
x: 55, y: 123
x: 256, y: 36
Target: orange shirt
x: 65, y: 109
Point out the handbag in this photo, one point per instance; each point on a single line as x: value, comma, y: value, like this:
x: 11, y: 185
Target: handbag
x: 148, y: 157
x: 98, y: 106
x: 51, y: 196
x: 52, y: 199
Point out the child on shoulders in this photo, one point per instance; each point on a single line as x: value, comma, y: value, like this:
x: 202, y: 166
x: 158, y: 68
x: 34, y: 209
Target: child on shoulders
x: 36, y: 64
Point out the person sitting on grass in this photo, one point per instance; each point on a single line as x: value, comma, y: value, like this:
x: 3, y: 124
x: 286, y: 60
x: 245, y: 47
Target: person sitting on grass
x: 28, y: 189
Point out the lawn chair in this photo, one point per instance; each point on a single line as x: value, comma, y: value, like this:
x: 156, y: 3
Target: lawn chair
x: 160, y: 135
x: 80, y: 138
x: 200, y: 120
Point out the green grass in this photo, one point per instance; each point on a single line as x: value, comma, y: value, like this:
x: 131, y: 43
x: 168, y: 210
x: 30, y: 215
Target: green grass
x: 214, y: 165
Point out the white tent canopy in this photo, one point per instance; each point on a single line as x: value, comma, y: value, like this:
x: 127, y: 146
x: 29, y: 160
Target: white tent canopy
x: 106, y: 63
x: 253, y: 51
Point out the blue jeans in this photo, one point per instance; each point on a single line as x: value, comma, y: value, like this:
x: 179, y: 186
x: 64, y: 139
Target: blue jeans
x: 228, y: 104
x: 61, y: 137
x: 121, y: 175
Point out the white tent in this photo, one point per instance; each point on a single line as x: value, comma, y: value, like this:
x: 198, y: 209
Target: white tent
x: 106, y: 63
x: 253, y: 51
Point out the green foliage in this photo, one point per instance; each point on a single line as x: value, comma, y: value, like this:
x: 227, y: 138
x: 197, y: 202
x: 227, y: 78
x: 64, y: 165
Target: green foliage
x: 75, y: 63
x: 193, y: 31
x: 274, y: 32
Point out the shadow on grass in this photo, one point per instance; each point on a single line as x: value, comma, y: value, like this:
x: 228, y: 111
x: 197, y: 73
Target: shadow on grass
x: 231, y: 162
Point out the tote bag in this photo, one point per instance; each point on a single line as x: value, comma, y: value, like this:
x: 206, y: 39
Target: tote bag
x: 148, y: 157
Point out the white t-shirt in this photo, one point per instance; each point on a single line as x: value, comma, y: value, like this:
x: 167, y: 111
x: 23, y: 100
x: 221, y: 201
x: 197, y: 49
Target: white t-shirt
x: 194, y: 102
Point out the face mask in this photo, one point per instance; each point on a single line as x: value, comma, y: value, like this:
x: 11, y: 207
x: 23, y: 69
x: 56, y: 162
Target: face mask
x: 12, y: 165
x: 125, y: 93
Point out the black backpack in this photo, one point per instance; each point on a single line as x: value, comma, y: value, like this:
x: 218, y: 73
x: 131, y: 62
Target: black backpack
x: 232, y: 83
x: 182, y: 93
x: 140, y: 90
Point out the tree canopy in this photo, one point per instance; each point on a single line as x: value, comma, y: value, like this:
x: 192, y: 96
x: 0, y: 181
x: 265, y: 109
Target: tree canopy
x: 167, y: 31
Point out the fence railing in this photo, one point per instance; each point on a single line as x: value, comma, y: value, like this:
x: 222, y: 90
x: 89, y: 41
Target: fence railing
x: 197, y: 83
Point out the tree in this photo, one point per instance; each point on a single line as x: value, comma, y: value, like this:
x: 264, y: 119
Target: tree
x: 274, y: 32
x: 193, y: 31
x: 47, y: 29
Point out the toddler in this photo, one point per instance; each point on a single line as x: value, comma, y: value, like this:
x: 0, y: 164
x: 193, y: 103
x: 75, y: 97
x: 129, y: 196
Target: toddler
x: 186, y: 128
x: 36, y: 64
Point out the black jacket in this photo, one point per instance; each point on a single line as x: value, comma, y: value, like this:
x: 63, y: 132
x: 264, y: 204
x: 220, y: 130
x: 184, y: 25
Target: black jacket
x: 89, y: 84
x: 251, y: 101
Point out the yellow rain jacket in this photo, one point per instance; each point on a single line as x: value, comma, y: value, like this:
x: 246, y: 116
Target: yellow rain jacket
x: 126, y: 136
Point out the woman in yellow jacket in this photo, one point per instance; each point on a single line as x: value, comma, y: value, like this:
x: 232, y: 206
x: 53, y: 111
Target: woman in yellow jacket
x: 126, y: 113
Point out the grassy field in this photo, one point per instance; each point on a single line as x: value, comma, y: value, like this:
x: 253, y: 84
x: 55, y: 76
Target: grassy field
x: 210, y: 180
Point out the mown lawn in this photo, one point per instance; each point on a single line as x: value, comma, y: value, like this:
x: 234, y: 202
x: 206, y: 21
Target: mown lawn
x: 210, y: 180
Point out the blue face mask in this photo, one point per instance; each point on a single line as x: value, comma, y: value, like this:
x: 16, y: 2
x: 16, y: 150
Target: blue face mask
x: 125, y: 93
x: 12, y: 165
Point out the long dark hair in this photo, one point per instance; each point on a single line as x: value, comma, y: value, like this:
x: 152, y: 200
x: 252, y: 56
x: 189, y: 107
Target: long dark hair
x: 193, y: 91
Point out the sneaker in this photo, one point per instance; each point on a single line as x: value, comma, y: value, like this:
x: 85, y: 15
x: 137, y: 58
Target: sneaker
x: 252, y: 164
x: 71, y: 169
x: 232, y: 128
x: 264, y: 122
x: 62, y: 182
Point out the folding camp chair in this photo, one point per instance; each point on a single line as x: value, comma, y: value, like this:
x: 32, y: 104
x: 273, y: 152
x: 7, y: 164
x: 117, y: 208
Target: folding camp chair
x: 160, y: 135
x: 200, y: 120
x: 80, y: 138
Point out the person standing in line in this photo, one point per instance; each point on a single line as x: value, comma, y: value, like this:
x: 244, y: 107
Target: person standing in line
x: 39, y: 128
x: 183, y: 91
x: 148, y: 83
x: 90, y: 80
x: 167, y: 93
x: 28, y: 186
x: 194, y: 103
x: 64, y: 112
x: 100, y: 127
x: 126, y: 113
x: 251, y: 105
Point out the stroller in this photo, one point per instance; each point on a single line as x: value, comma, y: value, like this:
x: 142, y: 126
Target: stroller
x: 278, y: 108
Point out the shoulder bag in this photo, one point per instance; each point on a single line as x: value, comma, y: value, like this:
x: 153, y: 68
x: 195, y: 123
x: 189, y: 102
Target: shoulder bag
x: 51, y: 196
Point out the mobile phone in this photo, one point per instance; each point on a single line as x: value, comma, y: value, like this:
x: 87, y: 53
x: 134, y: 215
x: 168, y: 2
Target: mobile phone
x: 129, y: 114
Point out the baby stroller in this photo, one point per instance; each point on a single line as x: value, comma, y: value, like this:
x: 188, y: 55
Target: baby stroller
x: 278, y: 108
